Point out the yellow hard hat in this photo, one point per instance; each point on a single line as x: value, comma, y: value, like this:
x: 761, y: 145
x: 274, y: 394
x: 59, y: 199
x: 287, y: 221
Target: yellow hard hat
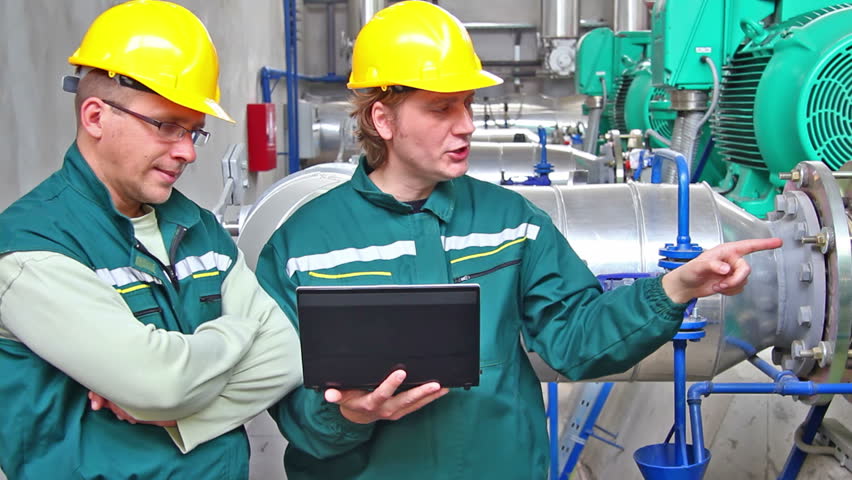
x: 419, y: 45
x: 161, y: 45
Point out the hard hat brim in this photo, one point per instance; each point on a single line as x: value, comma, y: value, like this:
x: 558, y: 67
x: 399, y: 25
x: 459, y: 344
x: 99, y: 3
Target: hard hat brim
x: 447, y: 84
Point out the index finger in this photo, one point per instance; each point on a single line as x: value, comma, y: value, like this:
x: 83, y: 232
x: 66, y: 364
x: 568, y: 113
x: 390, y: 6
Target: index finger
x: 388, y: 387
x: 744, y: 247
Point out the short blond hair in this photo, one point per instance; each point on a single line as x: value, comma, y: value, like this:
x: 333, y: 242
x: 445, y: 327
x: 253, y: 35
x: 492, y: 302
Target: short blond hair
x: 362, y: 101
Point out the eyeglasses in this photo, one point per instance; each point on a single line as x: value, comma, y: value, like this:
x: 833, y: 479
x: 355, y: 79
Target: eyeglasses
x: 167, y: 130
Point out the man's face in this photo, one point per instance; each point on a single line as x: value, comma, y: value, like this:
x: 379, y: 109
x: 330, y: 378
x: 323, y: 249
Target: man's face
x: 138, y: 165
x: 431, y: 135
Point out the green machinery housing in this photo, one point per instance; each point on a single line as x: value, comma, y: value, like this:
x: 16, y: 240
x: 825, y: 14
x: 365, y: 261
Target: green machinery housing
x: 614, y: 69
x: 786, y: 88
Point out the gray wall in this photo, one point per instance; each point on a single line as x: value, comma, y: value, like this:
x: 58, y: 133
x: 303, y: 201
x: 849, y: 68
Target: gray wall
x: 38, y: 118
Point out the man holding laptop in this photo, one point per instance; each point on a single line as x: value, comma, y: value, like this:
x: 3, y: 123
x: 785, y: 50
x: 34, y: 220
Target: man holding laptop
x: 410, y: 215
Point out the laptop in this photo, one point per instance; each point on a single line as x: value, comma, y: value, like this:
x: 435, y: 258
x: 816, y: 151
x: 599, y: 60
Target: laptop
x: 354, y: 337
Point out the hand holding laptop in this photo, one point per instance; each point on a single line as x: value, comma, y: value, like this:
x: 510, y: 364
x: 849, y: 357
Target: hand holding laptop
x: 355, y: 337
x: 360, y: 406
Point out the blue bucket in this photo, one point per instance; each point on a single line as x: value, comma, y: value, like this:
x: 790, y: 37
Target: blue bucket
x: 659, y: 462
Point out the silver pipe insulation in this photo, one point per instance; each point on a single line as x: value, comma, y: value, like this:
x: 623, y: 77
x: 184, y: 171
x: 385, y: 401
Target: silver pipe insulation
x: 687, y: 128
x: 590, y: 139
x: 504, y: 135
x: 331, y: 32
x: 560, y: 19
x: 618, y: 228
x: 492, y: 161
x: 593, y: 129
x: 630, y: 15
x: 684, y: 139
x: 359, y: 12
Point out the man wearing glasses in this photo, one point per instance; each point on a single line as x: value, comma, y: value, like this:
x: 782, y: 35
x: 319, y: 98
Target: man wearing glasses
x: 115, y: 287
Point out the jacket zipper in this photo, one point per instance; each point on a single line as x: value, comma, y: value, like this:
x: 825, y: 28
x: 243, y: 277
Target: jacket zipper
x: 470, y: 276
x: 181, y: 231
x: 169, y: 269
x: 142, y: 313
x: 210, y: 298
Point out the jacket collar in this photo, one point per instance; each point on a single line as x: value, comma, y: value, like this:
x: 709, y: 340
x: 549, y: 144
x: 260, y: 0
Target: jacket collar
x: 81, y: 177
x: 441, y: 201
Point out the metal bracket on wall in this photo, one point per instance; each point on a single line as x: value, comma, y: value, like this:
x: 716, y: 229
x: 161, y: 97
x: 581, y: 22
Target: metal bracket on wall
x: 833, y: 434
x: 235, y: 177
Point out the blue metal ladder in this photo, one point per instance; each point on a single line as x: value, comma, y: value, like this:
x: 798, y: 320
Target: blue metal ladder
x: 565, y: 449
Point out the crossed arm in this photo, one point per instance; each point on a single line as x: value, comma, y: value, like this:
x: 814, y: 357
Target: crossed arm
x: 211, y: 381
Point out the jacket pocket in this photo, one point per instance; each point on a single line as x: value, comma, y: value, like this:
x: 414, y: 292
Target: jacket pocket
x: 499, y: 321
x: 471, y: 276
x: 140, y: 299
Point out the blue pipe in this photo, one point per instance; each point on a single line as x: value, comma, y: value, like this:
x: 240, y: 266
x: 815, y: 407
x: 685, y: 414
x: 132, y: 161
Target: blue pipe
x: 267, y: 75
x: 771, y: 371
x: 552, y: 405
x: 682, y: 191
x: 291, y: 50
x: 704, y: 156
x: 782, y: 387
x: 637, y: 174
x: 679, y: 403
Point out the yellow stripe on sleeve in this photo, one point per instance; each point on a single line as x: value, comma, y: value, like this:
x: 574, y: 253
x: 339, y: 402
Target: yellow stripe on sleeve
x: 205, y: 274
x: 348, y: 275
x: 492, y: 252
x: 133, y: 288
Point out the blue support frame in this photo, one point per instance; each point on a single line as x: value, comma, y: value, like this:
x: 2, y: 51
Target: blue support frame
x: 797, y: 457
x: 291, y: 51
x: 292, y: 77
x: 608, y: 281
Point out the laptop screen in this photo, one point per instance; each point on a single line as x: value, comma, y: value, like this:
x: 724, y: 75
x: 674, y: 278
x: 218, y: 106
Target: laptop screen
x: 354, y: 337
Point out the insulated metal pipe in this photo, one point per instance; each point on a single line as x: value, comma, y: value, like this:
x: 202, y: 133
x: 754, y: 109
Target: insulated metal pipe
x: 629, y: 15
x: 560, y: 19
x: 360, y: 12
x: 619, y: 228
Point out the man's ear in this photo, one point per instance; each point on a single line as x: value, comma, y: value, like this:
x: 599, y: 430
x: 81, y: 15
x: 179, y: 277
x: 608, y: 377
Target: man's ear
x: 382, y: 120
x: 92, y: 116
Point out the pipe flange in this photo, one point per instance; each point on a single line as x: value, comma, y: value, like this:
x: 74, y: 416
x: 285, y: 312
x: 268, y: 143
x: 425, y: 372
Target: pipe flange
x: 688, y: 100
x: 594, y: 102
x: 817, y: 181
x: 802, y: 282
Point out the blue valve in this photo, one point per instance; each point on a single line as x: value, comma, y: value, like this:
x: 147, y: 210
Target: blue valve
x: 542, y: 168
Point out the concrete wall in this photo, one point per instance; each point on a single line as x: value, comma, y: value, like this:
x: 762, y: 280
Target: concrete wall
x: 37, y: 119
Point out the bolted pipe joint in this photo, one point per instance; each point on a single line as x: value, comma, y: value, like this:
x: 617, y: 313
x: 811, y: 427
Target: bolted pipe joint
x: 824, y: 239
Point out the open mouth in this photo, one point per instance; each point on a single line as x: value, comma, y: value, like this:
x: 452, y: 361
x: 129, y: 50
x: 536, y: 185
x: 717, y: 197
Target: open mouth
x: 460, y: 153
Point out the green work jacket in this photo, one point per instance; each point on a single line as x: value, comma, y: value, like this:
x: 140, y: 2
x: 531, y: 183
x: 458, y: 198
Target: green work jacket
x: 532, y: 285
x: 47, y: 429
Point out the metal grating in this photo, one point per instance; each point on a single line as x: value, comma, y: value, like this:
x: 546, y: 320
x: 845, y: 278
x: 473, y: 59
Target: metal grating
x: 829, y: 110
x: 662, y: 126
x: 733, y: 122
x: 621, y: 88
x: 806, y: 18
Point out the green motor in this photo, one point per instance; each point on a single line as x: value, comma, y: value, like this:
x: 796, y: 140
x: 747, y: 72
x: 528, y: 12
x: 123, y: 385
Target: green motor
x: 787, y: 94
x: 803, y: 102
